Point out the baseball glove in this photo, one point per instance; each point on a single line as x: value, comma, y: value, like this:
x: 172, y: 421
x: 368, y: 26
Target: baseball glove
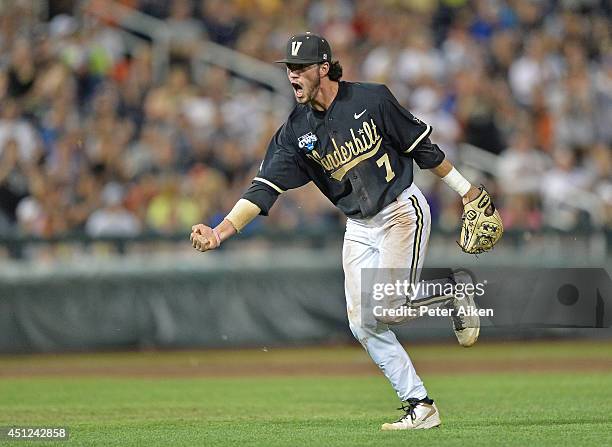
x: 481, y: 224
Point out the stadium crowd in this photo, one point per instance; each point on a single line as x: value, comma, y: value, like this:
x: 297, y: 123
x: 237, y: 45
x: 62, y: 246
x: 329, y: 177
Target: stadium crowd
x: 91, y: 141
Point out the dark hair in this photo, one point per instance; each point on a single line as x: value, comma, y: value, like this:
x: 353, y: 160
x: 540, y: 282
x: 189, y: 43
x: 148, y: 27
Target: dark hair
x: 335, y: 71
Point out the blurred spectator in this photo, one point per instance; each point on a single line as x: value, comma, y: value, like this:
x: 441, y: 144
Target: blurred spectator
x: 139, y: 158
x: 533, y: 70
x: 220, y: 18
x: 600, y: 162
x: 603, y: 98
x: 135, y: 80
x: 460, y: 51
x: 86, y: 199
x: 31, y: 217
x: 113, y: 219
x: 13, y: 181
x: 564, y: 181
x: 14, y: 126
x: 164, y: 103
x: 522, y: 212
x: 21, y: 71
x: 476, y: 108
x: 420, y: 60
x: 184, y: 32
x: 174, y: 208
x: 521, y: 166
x: 520, y: 171
x: 576, y: 122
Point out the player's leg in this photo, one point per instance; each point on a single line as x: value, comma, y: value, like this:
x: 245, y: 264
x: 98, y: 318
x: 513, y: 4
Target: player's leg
x: 402, y: 241
x: 381, y: 343
x: 466, y: 323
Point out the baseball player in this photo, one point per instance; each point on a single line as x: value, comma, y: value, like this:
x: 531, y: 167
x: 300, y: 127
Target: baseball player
x: 358, y: 144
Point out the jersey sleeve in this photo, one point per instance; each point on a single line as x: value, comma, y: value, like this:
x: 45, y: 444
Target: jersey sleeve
x: 408, y: 134
x: 279, y: 171
x: 427, y: 155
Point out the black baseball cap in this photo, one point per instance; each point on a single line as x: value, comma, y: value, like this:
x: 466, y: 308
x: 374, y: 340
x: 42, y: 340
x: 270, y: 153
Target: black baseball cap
x: 307, y: 49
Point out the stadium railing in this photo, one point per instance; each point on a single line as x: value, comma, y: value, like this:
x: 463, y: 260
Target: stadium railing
x: 133, y: 21
x: 584, y: 246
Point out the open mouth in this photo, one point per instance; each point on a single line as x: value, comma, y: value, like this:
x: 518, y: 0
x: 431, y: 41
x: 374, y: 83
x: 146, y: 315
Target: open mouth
x: 298, y: 89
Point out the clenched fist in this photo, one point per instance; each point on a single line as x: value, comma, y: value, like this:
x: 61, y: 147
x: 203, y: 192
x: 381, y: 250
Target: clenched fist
x: 203, y: 238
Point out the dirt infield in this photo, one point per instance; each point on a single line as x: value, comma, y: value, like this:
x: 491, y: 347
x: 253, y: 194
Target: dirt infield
x: 435, y: 359
x: 308, y: 369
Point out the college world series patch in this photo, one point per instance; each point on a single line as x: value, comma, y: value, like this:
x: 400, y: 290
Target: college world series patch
x: 307, y: 141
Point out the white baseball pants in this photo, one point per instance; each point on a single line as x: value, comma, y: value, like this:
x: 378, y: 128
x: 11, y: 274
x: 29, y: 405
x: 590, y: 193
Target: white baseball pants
x: 396, y: 237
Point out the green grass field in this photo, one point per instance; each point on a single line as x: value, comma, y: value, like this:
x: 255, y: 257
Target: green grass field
x: 572, y: 407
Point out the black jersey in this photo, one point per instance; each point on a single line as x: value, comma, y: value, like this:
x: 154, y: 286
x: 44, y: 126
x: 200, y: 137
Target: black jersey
x: 358, y: 152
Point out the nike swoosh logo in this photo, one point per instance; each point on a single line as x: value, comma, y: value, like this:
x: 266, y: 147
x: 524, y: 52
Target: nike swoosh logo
x: 359, y: 116
x: 432, y: 411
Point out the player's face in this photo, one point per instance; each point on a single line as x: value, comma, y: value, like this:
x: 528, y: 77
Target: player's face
x: 305, y: 80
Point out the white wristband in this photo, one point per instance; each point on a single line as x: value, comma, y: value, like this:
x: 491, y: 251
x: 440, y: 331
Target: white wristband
x: 456, y: 181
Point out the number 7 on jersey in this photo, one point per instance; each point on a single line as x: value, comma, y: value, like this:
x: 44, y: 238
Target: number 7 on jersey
x: 384, y: 160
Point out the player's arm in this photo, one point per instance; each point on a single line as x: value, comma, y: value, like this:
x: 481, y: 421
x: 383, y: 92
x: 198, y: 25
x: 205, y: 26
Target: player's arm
x: 453, y: 178
x: 279, y: 171
x: 204, y: 238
